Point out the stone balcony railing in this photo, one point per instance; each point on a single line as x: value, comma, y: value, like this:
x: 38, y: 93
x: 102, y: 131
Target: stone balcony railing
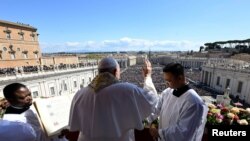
x: 38, y: 73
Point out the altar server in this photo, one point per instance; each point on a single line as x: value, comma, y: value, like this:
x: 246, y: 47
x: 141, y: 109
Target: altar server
x: 21, y: 109
x: 182, y: 112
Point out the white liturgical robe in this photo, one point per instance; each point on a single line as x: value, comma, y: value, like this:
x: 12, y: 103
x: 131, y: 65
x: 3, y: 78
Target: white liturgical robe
x: 111, y: 113
x: 181, y: 118
x: 16, y: 131
x: 30, y: 117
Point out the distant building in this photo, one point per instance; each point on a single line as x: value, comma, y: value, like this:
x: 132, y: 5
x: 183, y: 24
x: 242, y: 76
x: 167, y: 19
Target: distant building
x: 21, y: 61
x: 18, y: 45
x: 54, y: 82
x: 242, y: 56
x: 187, y: 62
x: 140, y: 59
x: 234, y: 74
x: 131, y: 60
x: 57, y: 60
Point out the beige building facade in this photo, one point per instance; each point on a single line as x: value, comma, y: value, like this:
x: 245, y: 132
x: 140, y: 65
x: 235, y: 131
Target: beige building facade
x: 19, y: 45
x: 57, y: 60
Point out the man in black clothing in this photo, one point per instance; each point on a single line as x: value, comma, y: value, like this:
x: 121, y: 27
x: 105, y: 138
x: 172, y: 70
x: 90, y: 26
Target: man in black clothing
x: 19, y: 97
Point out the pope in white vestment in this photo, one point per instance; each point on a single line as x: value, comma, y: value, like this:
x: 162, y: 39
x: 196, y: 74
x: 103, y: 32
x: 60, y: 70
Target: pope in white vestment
x: 109, y: 110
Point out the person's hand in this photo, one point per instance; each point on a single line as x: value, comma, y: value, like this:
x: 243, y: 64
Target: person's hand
x: 147, y: 68
x: 154, y: 132
x: 4, y: 103
x: 71, y: 136
x: 63, y: 133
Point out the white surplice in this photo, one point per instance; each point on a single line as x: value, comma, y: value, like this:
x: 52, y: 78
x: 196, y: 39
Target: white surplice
x: 112, y: 113
x: 30, y: 117
x: 16, y: 131
x: 181, y: 118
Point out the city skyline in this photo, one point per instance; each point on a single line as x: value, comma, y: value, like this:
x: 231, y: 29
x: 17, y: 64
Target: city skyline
x: 127, y: 25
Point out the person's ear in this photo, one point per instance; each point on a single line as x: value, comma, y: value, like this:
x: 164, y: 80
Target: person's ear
x: 115, y: 71
x: 180, y: 77
x: 11, y: 100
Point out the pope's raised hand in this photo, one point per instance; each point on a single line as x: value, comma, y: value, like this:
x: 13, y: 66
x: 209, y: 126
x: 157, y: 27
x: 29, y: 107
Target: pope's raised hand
x: 147, y: 68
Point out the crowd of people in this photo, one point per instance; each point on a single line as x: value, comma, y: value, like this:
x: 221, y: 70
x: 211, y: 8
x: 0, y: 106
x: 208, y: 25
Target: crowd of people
x: 27, y: 69
x: 133, y: 75
x: 193, y: 76
x: 7, y: 71
x: 35, y: 69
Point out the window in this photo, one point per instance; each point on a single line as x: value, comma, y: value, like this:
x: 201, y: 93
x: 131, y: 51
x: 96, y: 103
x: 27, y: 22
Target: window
x: 218, y: 81
x: 206, y: 77
x: 12, y: 56
x: 18, y: 49
x: 64, y: 85
x: 25, y: 55
x: 1, y: 57
x: 239, y: 87
x: 75, y: 84
x: 33, y: 36
x: 8, y: 36
x: 7, y: 31
x: 227, y: 83
x: 36, y: 53
x: 83, y: 82
x: 36, y: 56
x: 4, y: 49
x: 21, y: 37
x: 52, y: 91
x: 35, y: 94
x: 81, y: 86
x: 21, y: 34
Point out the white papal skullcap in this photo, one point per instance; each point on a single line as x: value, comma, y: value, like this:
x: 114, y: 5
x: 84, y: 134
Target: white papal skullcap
x: 107, y: 63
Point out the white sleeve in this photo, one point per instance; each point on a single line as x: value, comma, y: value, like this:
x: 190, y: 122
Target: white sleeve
x: 26, y: 131
x: 146, y: 98
x: 13, y: 130
x: 158, y: 107
x: 149, y: 85
x: 185, y: 129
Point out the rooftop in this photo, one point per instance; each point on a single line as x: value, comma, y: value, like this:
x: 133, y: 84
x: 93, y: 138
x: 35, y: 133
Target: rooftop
x: 18, y: 24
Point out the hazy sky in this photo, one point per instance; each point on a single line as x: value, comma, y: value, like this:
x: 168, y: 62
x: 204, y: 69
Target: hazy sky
x: 117, y: 25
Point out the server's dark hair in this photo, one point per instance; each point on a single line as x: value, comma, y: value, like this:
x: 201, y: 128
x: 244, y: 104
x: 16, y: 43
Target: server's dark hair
x: 175, y: 68
x: 9, y: 90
